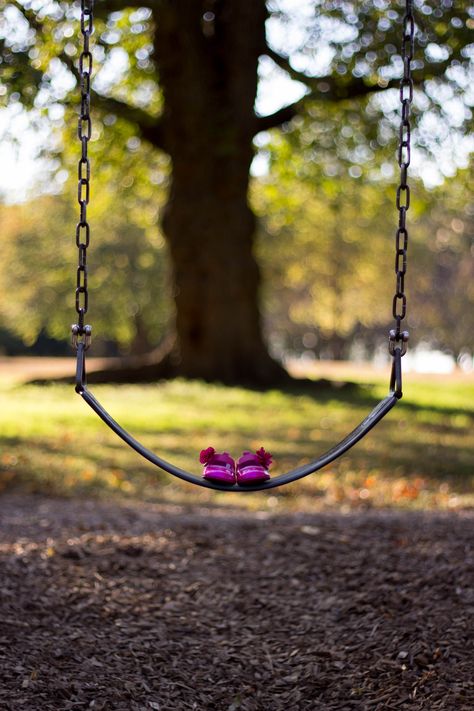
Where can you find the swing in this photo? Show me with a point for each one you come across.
(398, 339)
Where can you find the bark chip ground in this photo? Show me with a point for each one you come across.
(136, 607)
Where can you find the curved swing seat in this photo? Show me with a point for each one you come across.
(379, 412)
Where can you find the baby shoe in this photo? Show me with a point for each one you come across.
(253, 468)
(217, 467)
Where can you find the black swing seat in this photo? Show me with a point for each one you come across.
(379, 412)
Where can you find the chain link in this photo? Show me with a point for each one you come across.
(84, 132)
(399, 306)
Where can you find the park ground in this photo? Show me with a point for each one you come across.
(121, 589)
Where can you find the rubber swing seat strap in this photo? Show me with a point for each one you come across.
(378, 413)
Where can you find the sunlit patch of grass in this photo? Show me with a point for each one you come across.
(421, 455)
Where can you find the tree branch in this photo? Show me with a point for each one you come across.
(150, 127)
(280, 117)
(329, 88)
(320, 88)
(326, 88)
(284, 63)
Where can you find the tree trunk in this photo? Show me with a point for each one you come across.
(207, 55)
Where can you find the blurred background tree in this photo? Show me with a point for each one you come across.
(443, 270)
(175, 134)
(326, 226)
(130, 285)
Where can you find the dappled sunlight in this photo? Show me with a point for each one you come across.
(420, 456)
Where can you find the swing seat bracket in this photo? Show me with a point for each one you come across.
(81, 334)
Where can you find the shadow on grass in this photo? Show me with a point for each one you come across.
(320, 391)
(362, 394)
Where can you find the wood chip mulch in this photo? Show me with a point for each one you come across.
(141, 607)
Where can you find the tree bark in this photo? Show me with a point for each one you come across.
(206, 55)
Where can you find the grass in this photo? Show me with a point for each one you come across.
(421, 455)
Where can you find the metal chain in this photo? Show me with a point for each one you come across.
(399, 308)
(84, 132)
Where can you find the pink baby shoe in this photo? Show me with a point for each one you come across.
(217, 467)
(253, 468)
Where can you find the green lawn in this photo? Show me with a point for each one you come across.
(421, 455)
